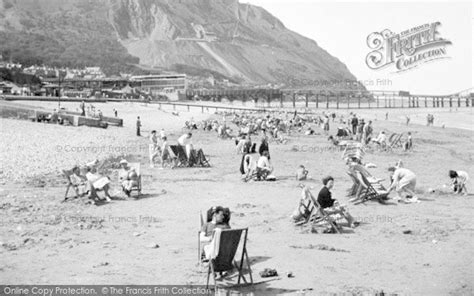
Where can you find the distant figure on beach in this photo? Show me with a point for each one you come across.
(354, 123)
(386, 116)
(153, 148)
(367, 133)
(139, 125)
(83, 108)
(459, 180)
(301, 173)
(162, 134)
(409, 143)
(115, 112)
(99, 114)
(407, 119)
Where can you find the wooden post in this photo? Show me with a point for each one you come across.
(417, 102)
(327, 102)
(377, 99)
(358, 100)
(317, 101)
(306, 99)
(426, 102)
(281, 100)
(348, 99)
(337, 102)
(202, 109)
(459, 101)
(294, 100)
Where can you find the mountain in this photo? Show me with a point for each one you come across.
(241, 42)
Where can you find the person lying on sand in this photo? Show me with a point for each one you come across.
(404, 182)
(330, 205)
(128, 176)
(458, 181)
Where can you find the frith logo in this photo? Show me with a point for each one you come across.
(407, 49)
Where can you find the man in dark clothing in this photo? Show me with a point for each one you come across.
(83, 109)
(354, 123)
(331, 205)
(139, 125)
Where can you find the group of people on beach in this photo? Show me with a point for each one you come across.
(90, 181)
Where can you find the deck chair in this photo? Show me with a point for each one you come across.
(307, 213)
(76, 187)
(357, 189)
(180, 153)
(373, 190)
(354, 151)
(230, 239)
(138, 187)
(136, 167)
(395, 140)
(372, 187)
(320, 212)
(208, 218)
(198, 159)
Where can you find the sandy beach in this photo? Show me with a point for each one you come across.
(400, 249)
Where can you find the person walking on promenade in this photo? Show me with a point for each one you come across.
(139, 125)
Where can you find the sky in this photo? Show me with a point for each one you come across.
(342, 28)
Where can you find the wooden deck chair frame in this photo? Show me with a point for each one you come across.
(319, 210)
(225, 261)
(371, 190)
(308, 208)
(357, 188)
(68, 174)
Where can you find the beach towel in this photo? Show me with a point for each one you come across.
(212, 250)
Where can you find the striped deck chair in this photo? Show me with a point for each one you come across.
(357, 190)
(395, 140)
(372, 188)
(354, 151)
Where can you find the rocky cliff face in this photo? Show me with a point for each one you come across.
(241, 41)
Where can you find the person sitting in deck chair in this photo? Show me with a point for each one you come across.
(128, 176)
(185, 143)
(381, 139)
(97, 182)
(459, 180)
(330, 205)
(404, 182)
(218, 221)
(167, 154)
